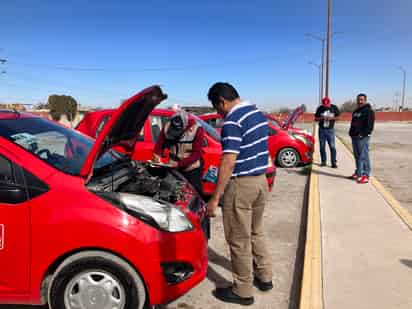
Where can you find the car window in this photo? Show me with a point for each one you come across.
(209, 129)
(60, 147)
(6, 171)
(35, 186)
(13, 177)
(157, 123)
(272, 131)
(215, 122)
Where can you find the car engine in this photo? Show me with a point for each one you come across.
(143, 179)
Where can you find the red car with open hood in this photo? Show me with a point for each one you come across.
(288, 146)
(93, 123)
(84, 226)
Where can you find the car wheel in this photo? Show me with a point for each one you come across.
(96, 280)
(288, 157)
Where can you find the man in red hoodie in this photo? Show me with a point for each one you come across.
(326, 115)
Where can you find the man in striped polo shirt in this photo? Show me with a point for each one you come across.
(242, 183)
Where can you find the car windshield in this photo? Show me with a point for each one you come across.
(216, 122)
(209, 129)
(60, 147)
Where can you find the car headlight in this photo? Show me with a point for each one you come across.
(301, 138)
(166, 216)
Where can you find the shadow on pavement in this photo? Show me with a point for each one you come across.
(212, 274)
(331, 175)
(406, 262)
(220, 260)
(294, 296)
(217, 278)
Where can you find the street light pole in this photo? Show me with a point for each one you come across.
(322, 61)
(403, 88)
(328, 48)
(319, 67)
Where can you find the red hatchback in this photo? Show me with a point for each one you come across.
(288, 146)
(83, 226)
(93, 123)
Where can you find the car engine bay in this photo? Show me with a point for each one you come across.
(142, 179)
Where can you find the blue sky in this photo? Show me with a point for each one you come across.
(101, 52)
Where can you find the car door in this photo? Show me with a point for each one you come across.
(14, 229)
(211, 154)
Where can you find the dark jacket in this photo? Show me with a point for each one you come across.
(363, 120)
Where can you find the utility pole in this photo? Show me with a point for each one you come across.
(322, 63)
(403, 88)
(328, 48)
(396, 101)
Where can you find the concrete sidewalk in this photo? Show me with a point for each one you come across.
(366, 247)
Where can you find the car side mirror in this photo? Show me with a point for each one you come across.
(12, 194)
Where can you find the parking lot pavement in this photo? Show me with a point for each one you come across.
(283, 226)
(282, 223)
(391, 160)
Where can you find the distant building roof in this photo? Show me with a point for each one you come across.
(16, 106)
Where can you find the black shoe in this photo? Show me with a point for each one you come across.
(334, 165)
(323, 164)
(227, 295)
(263, 286)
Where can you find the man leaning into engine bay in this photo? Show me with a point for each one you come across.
(183, 138)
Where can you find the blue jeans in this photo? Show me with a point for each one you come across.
(361, 152)
(329, 136)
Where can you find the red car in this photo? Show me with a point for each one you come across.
(93, 123)
(290, 121)
(83, 226)
(288, 146)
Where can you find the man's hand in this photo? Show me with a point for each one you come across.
(212, 206)
(227, 164)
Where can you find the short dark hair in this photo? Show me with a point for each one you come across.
(362, 95)
(222, 90)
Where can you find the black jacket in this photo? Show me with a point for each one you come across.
(363, 120)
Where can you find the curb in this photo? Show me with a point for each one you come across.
(403, 213)
(311, 296)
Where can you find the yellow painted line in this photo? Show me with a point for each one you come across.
(403, 213)
(311, 296)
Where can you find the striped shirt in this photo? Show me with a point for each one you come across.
(245, 132)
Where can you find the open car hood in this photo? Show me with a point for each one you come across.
(124, 125)
(293, 116)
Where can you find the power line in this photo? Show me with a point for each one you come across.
(192, 67)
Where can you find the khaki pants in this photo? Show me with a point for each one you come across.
(243, 205)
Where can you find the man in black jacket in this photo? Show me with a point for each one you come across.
(363, 120)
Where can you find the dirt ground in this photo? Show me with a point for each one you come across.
(391, 159)
(283, 217)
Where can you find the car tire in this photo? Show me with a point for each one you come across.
(288, 158)
(96, 279)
